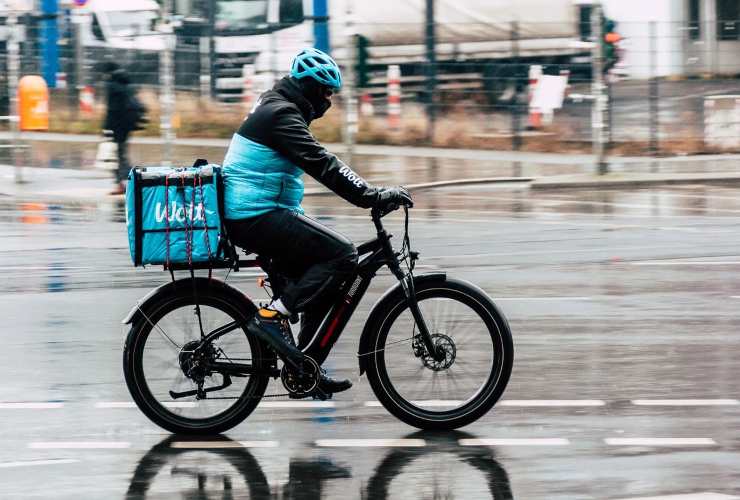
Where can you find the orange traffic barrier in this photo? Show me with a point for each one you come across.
(33, 101)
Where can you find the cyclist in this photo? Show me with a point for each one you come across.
(263, 190)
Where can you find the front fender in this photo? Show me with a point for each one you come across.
(202, 286)
(393, 294)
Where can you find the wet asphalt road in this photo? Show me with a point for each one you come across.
(623, 306)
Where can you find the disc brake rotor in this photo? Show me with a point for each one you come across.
(445, 345)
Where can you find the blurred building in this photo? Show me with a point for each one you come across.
(691, 37)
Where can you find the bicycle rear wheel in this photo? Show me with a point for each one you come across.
(163, 353)
(455, 391)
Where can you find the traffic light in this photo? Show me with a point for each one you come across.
(609, 43)
(362, 69)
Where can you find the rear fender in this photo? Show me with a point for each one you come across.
(393, 295)
(202, 286)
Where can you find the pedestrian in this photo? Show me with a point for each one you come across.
(124, 114)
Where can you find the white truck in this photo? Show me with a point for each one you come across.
(120, 31)
(268, 33)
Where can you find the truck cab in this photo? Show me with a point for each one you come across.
(130, 24)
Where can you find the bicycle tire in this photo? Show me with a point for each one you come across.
(490, 391)
(255, 388)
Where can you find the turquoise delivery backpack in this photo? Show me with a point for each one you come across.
(173, 216)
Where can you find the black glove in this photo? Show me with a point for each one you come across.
(391, 198)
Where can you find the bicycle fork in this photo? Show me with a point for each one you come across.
(407, 284)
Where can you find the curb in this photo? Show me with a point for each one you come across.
(432, 185)
(633, 182)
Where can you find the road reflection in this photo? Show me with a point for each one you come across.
(442, 469)
(226, 470)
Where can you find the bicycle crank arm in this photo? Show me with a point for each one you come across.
(226, 383)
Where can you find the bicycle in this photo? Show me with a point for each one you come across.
(426, 334)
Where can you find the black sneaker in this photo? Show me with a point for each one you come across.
(273, 328)
(332, 385)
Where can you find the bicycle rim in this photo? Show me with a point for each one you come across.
(447, 389)
(165, 348)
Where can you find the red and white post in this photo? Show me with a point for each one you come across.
(248, 73)
(394, 97)
(535, 114)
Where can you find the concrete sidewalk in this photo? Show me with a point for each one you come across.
(66, 185)
(405, 151)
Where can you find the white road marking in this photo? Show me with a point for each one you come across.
(179, 404)
(685, 402)
(552, 402)
(433, 403)
(373, 404)
(297, 404)
(79, 445)
(540, 298)
(116, 404)
(223, 444)
(660, 441)
(686, 263)
(514, 442)
(370, 443)
(706, 495)
(33, 463)
(31, 406)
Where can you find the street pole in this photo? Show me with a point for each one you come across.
(350, 100)
(79, 18)
(598, 91)
(653, 91)
(516, 126)
(167, 96)
(431, 57)
(13, 77)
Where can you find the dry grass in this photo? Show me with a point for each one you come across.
(456, 127)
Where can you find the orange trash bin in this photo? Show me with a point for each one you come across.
(33, 103)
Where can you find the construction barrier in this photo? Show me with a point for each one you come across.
(33, 101)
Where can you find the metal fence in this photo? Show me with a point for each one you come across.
(674, 89)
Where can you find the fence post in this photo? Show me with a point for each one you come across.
(516, 126)
(654, 96)
(431, 59)
(350, 100)
(204, 78)
(394, 96)
(80, 18)
(13, 76)
(167, 94)
(598, 110)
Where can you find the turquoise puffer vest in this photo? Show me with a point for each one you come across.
(258, 179)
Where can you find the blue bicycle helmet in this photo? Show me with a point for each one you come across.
(319, 66)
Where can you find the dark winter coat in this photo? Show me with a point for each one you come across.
(125, 112)
(272, 149)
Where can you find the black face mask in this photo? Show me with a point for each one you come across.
(315, 93)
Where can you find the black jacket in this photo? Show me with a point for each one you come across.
(280, 121)
(124, 111)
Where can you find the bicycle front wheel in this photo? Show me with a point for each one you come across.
(164, 355)
(457, 390)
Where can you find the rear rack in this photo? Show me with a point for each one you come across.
(219, 264)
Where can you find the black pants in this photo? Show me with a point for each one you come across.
(316, 258)
(123, 164)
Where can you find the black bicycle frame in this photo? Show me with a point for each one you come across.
(374, 254)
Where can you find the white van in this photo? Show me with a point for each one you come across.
(115, 24)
